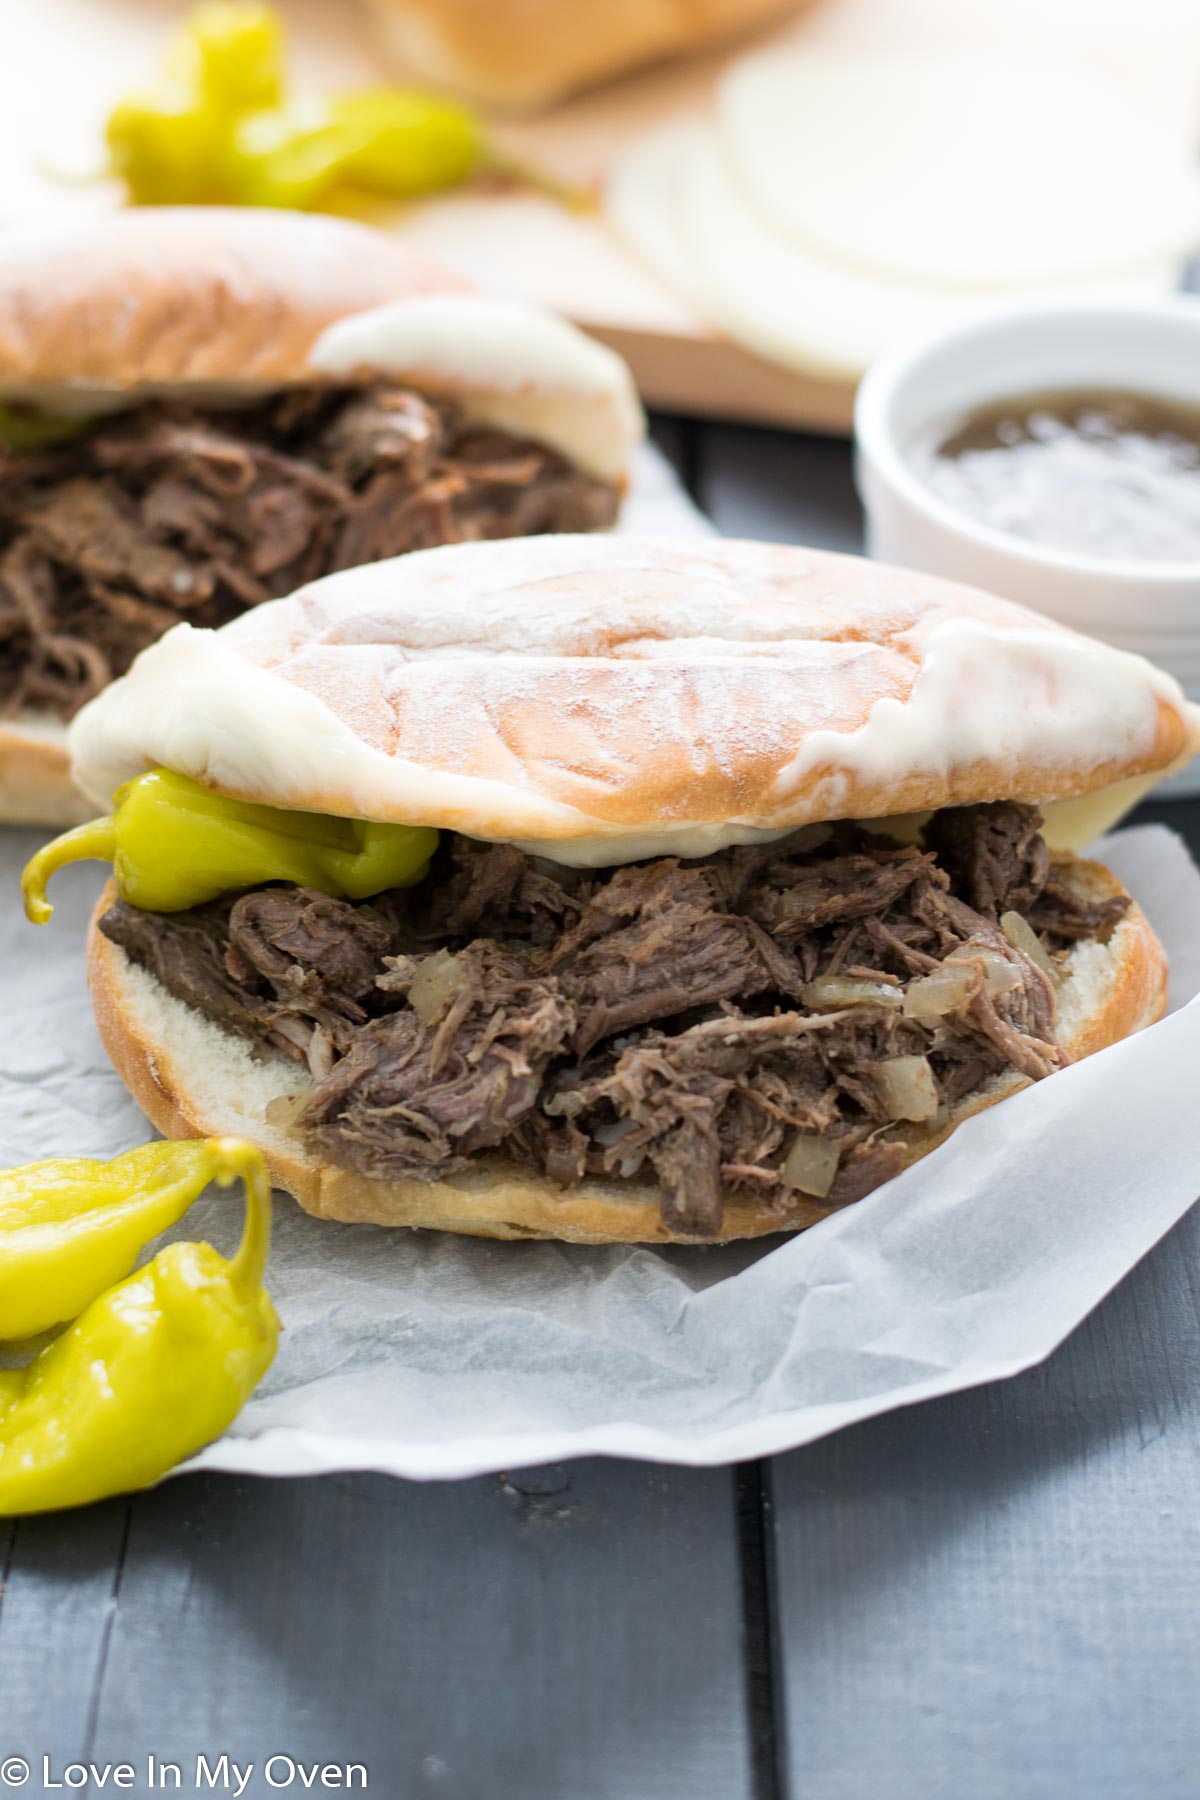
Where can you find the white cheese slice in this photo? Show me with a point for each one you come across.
(959, 169)
(643, 202)
(677, 206)
(1071, 825)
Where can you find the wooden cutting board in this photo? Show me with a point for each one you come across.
(67, 60)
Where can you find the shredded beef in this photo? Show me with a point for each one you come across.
(672, 1095)
(793, 898)
(417, 1097)
(652, 942)
(319, 957)
(169, 512)
(997, 859)
(994, 854)
(289, 968)
(494, 890)
(1064, 916)
(652, 1022)
(186, 952)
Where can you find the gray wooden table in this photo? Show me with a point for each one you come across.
(995, 1595)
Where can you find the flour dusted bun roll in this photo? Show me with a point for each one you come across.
(756, 875)
(525, 53)
(202, 408)
(604, 699)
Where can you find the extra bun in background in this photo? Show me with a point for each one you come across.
(174, 295)
(599, 701)
(527, 53)
(220, 306)
(223, 303)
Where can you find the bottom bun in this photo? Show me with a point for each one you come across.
(192, 1078)
(35, 774)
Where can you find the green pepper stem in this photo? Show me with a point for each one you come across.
(97, 839)
(234, 1157)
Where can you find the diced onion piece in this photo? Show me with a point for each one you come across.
(1000, 974)
(438, 979)
(907, 1087)
(282, 1112)
(811, 1166)
(845, 990)
(943, 990)
(1022, 936)
(948, 988)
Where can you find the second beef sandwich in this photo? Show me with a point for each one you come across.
(202, 409)
(742, 898)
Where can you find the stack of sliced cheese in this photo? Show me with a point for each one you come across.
(833, 201)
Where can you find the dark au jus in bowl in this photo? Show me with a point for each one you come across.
(1111, 474)
(1050, 453)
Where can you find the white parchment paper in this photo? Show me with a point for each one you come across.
(434, 1356)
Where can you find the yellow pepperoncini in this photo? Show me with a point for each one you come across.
(70, 1228)
(387, 141)
(168, 144)
(175, 844)
(231, 53)
(153, 1370)
(218, 128)
(29, 428)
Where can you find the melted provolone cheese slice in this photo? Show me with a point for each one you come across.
(519, 367)
(1067, 824)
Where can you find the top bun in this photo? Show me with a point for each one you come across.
(121, 306)
(150, 295)
(601, 699)
(522, 53)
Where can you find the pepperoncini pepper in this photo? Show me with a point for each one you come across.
(230, 53)
(29, 428)
(388, 141)
(218, 128)
(174, 844)
(70, 1228)
(168, 143)
(154, 1369)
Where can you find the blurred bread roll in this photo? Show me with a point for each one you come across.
(525, 53)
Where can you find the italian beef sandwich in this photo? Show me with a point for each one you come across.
(202, 409)
(613, 890)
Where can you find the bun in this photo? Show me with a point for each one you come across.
(220, 301)
(609, 698)
(524, 53)
(192, 1078)
(35, 774)
(158, 295)
(214, 302)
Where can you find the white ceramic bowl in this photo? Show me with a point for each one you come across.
(1151, 347)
